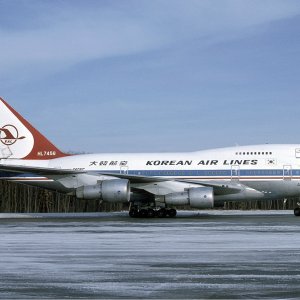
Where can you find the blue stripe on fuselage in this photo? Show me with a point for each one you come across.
(185, 173)
(209, 173)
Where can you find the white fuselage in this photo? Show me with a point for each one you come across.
(271, 169)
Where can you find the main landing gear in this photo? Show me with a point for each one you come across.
(152, 213)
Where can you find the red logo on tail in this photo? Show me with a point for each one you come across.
(9, 134)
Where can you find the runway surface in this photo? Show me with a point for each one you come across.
(206, 254)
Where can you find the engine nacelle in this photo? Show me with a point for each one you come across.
(202, 197)
(115, 190)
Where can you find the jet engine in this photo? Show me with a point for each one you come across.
(202, 197)
(115, 190)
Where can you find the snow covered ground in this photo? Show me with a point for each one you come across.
(200, 254)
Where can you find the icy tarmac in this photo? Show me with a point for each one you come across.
(205, 254)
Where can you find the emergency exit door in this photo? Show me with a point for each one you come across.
(235, 172)
(287, 172)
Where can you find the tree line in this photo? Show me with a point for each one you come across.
(19, 198)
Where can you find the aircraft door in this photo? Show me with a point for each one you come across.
(235, 172)
(287, 172)
(124, 170)
(297, 153)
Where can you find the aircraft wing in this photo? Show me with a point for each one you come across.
(38, 170)
(220, 187)
(49, 172)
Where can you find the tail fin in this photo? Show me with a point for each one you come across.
(19, 139)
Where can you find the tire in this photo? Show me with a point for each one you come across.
(162, 213)
(151, 213)
(297, 211)
(143, 213)
(172, 213)
(133, 213)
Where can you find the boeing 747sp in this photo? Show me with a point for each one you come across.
(154, 184)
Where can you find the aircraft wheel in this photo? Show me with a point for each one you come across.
(297, 211)
(133, 213)
(162, 213)
(172, 212)
(143, 213)
(151, 213)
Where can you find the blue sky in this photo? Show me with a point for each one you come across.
(159, 75)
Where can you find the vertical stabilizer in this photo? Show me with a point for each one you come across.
(19, 139)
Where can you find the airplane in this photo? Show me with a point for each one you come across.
(154, 184)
